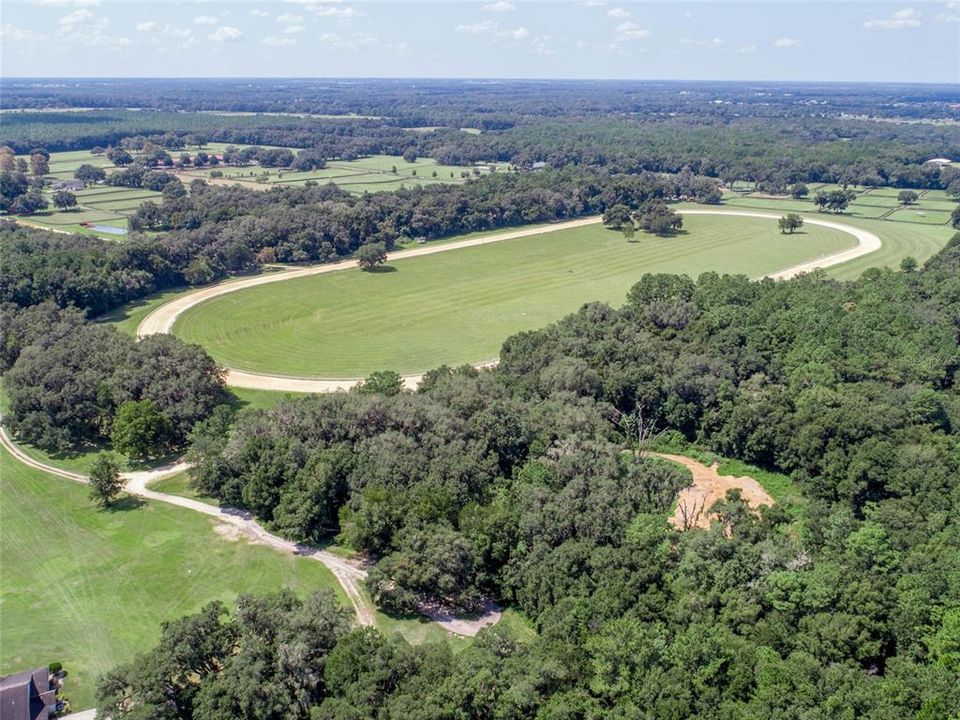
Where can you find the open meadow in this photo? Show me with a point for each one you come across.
(458, 307)
(89, 588)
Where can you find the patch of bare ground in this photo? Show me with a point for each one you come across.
(708, 487)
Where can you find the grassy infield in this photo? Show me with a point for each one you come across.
(63, 597)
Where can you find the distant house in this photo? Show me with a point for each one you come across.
(539, 165)
(27, 695)
(938, 161)
(68, 185)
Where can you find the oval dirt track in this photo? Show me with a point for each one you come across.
(163, 318)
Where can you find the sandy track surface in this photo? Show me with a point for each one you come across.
(708, 486)
(163, 318)
(867, 242)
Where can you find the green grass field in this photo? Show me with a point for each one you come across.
(458, 307)
(90, 588)
(903, 235)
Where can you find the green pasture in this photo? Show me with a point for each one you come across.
(89, 588)
(369, 174)
(915, 214)
(459, 306)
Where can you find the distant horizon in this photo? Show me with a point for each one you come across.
(451, 78)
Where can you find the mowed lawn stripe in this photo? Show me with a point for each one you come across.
(458, 307)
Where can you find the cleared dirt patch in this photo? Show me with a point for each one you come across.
(708, 486)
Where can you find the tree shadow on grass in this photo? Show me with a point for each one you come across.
(382, 269)
(125, 504)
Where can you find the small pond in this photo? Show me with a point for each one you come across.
(110, 229)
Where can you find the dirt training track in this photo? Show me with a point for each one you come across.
(163, 318)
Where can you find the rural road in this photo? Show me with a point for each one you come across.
(349, 574)
(163, 318)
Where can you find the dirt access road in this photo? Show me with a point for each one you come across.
(163, 318)
(236, 523)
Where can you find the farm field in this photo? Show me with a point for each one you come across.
(90, 588)
(370, 174)
(458, 307)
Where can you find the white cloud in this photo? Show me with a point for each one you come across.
(205, 20)
(80, 17)
(327, 9)
(618, 13)
(274, 41)
(906, 18)
(352, 41)
(786, 42)
(12, 32)
(289, 19)
(500, 6)
(82, 27)
(169, 30)
(175, 31)
(259, 13)
(225, 33)
(746, 49)
(715, 42)
(294, 29)
(631, 31)
(65, 3)
(400, 48)
(521, 33)
(951, 13)
(541, 46)
(487, 26)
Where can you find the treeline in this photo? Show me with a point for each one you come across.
(67, 381)
(515, 483)
(227, 228)
(83, 271)
(73, 384)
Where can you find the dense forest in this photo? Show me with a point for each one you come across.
(515, 484)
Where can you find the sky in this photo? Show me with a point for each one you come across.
(772, 41)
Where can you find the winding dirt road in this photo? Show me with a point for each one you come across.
(350, 574)
(163, 318)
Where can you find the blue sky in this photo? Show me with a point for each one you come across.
(814, 40)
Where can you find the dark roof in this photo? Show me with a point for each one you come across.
(27, 695)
